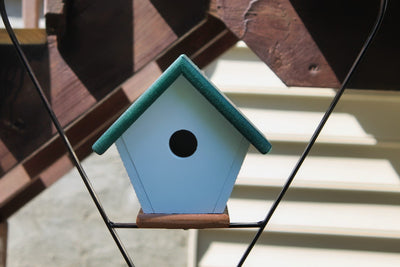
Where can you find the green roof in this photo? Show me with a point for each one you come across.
(183, 65)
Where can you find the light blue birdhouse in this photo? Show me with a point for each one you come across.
(182, 143)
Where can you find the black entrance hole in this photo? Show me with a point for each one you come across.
(183, 143)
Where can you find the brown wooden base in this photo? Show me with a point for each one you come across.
(182, 221)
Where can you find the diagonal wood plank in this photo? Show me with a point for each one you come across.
(88, 96)
(274, 31)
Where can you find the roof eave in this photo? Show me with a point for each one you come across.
(192, 73)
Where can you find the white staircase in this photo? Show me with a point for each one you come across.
(343, 208)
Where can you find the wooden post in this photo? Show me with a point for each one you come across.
(3, 243)
(30, 13)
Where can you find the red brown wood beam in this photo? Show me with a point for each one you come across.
(31, 13)
(51, 162)
(104, 51)
(214, 48)
(274, 31)
(314, 42)
(3, 243)
(55, 16)
(202, 45)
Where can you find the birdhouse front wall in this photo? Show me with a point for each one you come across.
(201, 179)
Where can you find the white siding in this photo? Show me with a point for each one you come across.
(343, 208)
(14, 12)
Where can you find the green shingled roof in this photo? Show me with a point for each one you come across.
(183, 65)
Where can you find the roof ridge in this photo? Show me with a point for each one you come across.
(183, 66)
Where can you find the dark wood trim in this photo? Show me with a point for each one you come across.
(3, 243)
(50, 162)
(182, 221)
(55, 15)
(212, 36)
(274, 31)
(314, 43)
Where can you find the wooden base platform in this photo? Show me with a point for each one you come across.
(182, 221)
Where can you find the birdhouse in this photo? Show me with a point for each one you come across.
(182, 143)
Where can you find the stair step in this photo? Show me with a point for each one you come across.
(217, 248)
(363, 171)
(310, 185)
(373, 212)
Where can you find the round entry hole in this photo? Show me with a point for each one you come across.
(183, 143)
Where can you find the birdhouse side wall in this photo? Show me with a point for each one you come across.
(231, 178)
(174, 184)
(133, 176)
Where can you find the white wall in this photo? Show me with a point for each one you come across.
(61, 226)
(14, 12)
(343, 208)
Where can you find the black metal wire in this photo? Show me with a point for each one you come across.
(378, 22)
(231, 225)
(245, 225)
(61, 132)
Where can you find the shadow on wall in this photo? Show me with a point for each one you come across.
(343, 26)
(370, 121)
(24, 121)
(98, 43)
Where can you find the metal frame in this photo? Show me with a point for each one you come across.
(112, 226)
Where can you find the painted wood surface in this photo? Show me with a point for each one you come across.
(313, 43)
(196, 184)
(3, 243)
(273, 30)
(182, 221)
(343, 205)
(25, 36)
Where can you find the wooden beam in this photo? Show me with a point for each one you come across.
(25, 124)
(31, 13)
(274, 31)
(7, 160)
(12, 182)
(50, 162)
(24, 36)
(314, 43)
(212, 35)
(55, 15)
(182, 221)
(95, 55)
(138, 83)
(3, 243)
(214, 48)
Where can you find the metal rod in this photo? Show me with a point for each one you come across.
(231, 225)
(378, 22)
(123, 225)
(61, 132)
(246, 225)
